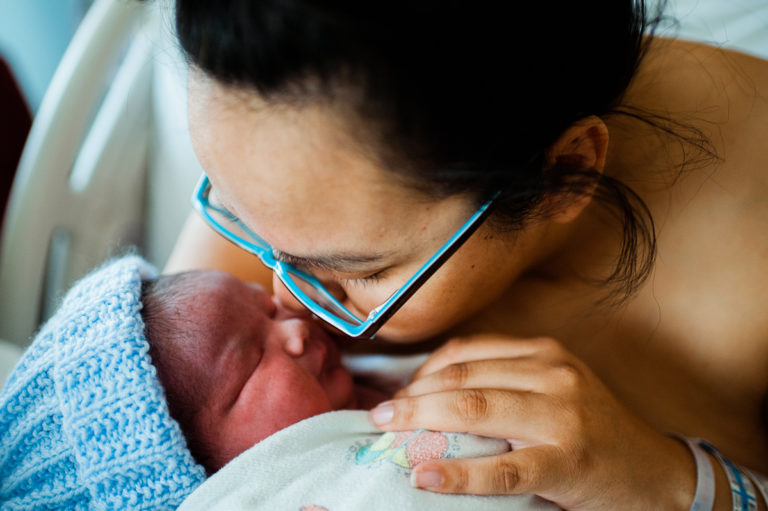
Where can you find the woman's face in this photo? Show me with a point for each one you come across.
(304, 183)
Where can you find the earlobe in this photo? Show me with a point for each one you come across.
(581, 147)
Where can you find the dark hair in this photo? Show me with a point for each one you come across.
(460, 97)
(166, 328)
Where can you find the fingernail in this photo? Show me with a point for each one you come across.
(426, 479)
(383, 413)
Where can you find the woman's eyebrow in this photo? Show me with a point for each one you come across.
(341, 262)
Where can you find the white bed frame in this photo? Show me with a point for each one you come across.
(107, 165)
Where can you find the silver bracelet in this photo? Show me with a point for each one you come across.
(761, 482)
(704, 499)
(742, 491)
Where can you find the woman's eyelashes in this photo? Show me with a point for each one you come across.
(373, 278)
(329, 278)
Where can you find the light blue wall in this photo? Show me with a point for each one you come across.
(33, 37)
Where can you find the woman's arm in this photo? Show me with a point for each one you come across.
(200, 247)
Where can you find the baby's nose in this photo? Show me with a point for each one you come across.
(295, 333)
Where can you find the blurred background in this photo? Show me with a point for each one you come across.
(33, 37)
(93, 139)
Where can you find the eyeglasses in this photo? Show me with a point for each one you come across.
(308, 290)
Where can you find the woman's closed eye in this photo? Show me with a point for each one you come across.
(329, 276)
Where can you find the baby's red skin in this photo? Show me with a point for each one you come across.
(258, 366)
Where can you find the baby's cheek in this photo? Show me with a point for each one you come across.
(277, 403)
(297, 398)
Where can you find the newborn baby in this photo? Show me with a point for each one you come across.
(236, 366)
(248, 379)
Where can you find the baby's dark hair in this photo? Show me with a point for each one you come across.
(167, 327)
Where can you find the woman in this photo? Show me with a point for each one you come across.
(616, 292)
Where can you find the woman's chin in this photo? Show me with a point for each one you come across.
(405, 333)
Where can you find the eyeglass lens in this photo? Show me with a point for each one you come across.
(307, 284)
(322, 298)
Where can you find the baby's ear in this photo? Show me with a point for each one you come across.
(583, 146)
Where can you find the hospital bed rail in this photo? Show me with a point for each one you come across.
(107, 165)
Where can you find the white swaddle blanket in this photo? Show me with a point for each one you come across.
(339, 461)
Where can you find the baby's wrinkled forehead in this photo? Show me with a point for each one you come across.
(205, 294)
(188, 316)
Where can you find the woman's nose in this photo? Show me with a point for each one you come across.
(284, 296)
(294, 334)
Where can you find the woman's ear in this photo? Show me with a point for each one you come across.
(583, 146)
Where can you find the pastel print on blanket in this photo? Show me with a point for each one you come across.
(405, 448)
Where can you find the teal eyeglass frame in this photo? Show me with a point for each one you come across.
(350, 325)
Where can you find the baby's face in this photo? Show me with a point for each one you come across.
(258, 367)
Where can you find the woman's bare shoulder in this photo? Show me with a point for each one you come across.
(713, 95)
(693, 78)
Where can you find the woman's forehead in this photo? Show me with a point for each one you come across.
(295, 177)
(318, 216)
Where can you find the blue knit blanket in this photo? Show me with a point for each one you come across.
(83, 420)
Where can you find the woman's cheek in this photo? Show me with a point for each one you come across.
(429, 311)
(437, 305)
(419, 319)
(361, 299)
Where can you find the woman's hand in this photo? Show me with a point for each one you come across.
(572, 442)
